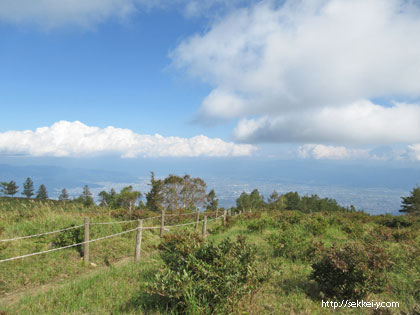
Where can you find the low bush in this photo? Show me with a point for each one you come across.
(354, 229)
(261, 225)
(395, 221)
(294, 244)
(318, 225)
(352, 271)
(202, 277)
(69, 237)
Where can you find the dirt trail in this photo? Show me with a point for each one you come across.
(13, 297)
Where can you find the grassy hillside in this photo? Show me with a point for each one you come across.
(288, 245)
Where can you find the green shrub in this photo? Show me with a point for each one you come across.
(395, 221)
(318, 225)
(294, 244)
(352, 271)
(69, 237)
(385, 233)
(261, 224)
(201, 277)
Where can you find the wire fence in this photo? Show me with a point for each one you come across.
(68, 246)
(100, 238)
(97, 223)
(41, 234)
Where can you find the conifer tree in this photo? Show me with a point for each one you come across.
(64, 196)
(411, 204)
(42, 193)
(86, 196)
(12, 188)
(28, 188)
(155, 196)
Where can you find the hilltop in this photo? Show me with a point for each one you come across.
(283, 246)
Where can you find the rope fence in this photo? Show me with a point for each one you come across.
(36, 235)
(68, 246)
(139, 230)
(96, 223)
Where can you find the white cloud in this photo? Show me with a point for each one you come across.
(413, 151)
(66, 138)
(320, 151)
(359, 123)
(313, 61)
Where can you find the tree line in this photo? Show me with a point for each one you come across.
(189, 193)
(11, 189)
(171, 193)
(313, 203)
(288, 201)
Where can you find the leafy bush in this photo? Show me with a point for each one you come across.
(69, 237)
(395, 221)
(351, 272)
(388, 234)
(318, 225)
(261, 224)
(294, 244)
(354, 229)
(203, 277)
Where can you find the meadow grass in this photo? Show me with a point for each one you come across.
(113, 288)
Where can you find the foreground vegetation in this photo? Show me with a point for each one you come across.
(265, 262)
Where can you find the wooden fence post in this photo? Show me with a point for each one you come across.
(224, 217)
(162, 223)
(86, 244)
(204, 234)
(197, 219)
(138, 240)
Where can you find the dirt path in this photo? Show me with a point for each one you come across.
(13, 297)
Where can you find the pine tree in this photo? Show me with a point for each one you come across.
(42, 193)
(411, 204)
(86, 196)
(64, 196)
(11, 188)
(28, 188)
(155, 196)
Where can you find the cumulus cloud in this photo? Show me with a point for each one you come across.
(306, 70)
(320, 151)
(66, 138)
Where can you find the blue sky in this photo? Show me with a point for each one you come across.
(116, 74)
(323, 80)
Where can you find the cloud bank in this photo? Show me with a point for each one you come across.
(320, 151)
(307, 71)
(74, 139)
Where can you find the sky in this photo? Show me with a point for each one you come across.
(330, 80)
